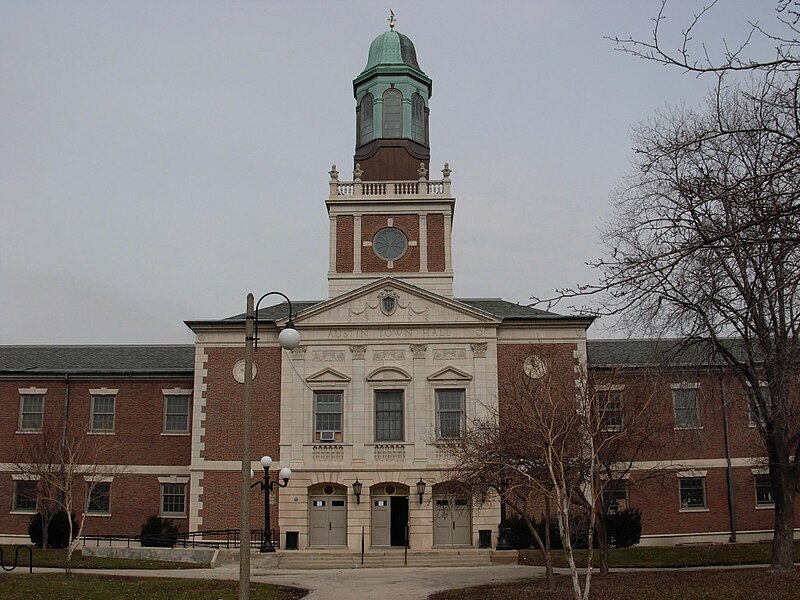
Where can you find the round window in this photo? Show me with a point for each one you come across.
(390, 243)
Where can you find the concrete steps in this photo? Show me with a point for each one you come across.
(342, 559)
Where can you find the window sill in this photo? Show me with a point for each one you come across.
(22, 512)
(102, 515)
(101, 433)
(172, 516)
(765, 507)
(176, 433)
(29, 432)
(687, 428)
(693, 510)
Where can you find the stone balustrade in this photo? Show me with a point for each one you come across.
(421, 188)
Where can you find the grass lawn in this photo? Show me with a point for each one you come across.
(732, 584)
(699, 555)
(55, 558)
(96, 587)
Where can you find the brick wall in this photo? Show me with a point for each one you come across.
(137, 443)
(223, 424)
(435, 224)
(344, 244)
(370, 225)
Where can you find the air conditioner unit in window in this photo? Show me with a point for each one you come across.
(327, 436)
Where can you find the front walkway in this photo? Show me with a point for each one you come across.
(406, 583)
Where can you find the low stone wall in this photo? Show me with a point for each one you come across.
(184, 555)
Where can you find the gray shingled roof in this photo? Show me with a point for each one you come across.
(509, 310)
(651, 352)
(97, 359)
(277, 311)
(493, 306)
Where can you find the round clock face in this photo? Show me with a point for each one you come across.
(534, 367)
(238, 371)
(390, 243)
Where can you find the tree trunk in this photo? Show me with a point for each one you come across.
(45, 518)
(551, 584)
(602, 538)
(544, 548)
(783, 489)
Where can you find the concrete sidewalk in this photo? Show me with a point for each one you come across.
(406, 583)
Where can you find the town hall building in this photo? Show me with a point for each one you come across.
(390, 366)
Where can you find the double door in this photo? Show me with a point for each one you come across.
(328, 521)
(389, 520)
(451, 521)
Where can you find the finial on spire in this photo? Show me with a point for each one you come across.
(391, 19)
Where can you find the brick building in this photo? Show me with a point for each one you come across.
(388, 365)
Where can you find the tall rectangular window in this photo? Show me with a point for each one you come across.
(99, 500)
(758, 413)
(609, 405)
(450, 417)
(687, 409)
(392, 114)
(25, 495)
(176, 414)
(31, 412)
(764, 491)
(173, 499)
(103, 412)
(389, 415)
(327, 416)
(615, 495)
(693, 492)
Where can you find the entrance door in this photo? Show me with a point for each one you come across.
(389, 520)
(328, 521)
(399, 520)
(451, 521)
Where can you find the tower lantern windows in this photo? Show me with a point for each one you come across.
(392, 113)
(366, 126)
(418, 119)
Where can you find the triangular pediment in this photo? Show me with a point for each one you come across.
(394, 303)
(388, 375)
(449, 374)
(328, 375)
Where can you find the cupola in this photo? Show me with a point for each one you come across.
(392, 94)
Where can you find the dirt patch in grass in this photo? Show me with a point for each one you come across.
(728, 584)
(55, 558)
(96, 587)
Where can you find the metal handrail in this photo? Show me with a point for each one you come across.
(228, 538)
(16, 558)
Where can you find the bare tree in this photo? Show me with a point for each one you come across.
(704, 241)
(548, 443)
(487, 460)
(732, 56)
(68, 467)
(624, 428)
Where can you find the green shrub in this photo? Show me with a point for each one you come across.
(57, 531)
(158, 532)
(519, 536)
(624, 528)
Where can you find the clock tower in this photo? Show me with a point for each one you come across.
(391, 219)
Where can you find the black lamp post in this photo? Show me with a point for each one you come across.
(288, 339)
(267, 486)
(357, 485)
(503, 530)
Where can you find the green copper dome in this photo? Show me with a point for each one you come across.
(392, 48)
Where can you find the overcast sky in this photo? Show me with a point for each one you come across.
(158, 160)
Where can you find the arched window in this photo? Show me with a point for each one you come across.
(366, 123)
(418, 119)
(392, 113)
